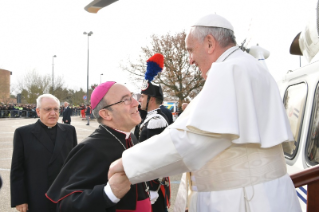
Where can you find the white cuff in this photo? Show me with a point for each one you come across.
(163, 162)
(153, 196)
(109, 193)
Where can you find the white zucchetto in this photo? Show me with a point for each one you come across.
(213, 20)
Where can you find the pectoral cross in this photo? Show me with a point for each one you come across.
(147, 188)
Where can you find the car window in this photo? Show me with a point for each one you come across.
(294, 102)
(312, 145)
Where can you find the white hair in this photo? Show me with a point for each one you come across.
(39, 99)
(224, 37)
(99, 107)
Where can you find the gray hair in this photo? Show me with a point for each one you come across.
(223, 36)
(39, 99)
(99, 107)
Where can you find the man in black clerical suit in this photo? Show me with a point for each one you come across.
(67, 114)
(82, 184)
(39, 151)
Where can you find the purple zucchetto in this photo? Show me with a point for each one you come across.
(99, 92)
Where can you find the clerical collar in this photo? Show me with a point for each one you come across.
(227, 53)
(45, 126)
(152, 112)
(127, 134)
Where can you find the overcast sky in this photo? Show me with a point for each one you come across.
(32, 31)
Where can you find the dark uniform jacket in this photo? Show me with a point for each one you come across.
(80, 184)
(167, 113)
(88, 111)
(36, 161)
(155, 123)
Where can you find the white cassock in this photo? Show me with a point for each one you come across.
(229, 138)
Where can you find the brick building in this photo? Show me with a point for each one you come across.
(4, 85)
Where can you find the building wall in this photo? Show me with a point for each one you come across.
(4, 84)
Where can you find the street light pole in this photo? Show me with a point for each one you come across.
(53, 73)
(101, 78)
(87, 86)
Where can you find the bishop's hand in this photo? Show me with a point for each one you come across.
(116, 167)
(119, 184)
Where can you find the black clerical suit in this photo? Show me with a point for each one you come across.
(38, 155)
(155, 123)
(67, 115)
(80, 185)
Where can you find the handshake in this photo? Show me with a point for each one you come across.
(118, 180)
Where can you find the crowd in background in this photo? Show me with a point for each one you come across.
(17, 110)
(29, 110)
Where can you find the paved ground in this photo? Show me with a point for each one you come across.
(7, 127)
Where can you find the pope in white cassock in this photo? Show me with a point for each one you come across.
(229, 137)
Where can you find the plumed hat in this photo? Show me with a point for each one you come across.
(155, 65)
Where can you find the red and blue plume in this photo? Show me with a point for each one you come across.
(155, 65)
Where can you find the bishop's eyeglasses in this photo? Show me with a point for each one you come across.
(126, 100)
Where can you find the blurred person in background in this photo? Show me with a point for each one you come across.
(67, 114)
(88, 113)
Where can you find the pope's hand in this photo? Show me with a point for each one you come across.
(116, 167)
(119, 184)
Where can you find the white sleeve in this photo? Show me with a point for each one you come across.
(169, 153)
(109, 193)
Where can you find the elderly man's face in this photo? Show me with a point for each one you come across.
(48, 112)
(65, 104)
(124, 117)
(198, 54)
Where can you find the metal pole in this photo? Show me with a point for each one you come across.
(101, 78)
(87, 86)
(53, 73)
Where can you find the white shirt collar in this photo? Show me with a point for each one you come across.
(152, 112)
(127, 134)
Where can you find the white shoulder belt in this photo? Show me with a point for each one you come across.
(164, 124)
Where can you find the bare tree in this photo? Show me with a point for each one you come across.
(33, 85)
(179, 80)
(60, 91)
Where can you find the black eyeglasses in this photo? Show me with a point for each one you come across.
(126, 100)
(48, 110)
